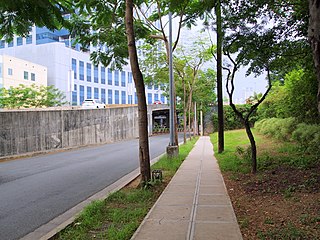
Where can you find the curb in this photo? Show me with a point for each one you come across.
(52, 228)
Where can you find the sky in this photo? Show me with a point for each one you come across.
(245, 86)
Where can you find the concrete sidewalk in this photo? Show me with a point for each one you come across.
(195, 204)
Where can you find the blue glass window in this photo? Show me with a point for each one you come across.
(135, 98)
(129, 77)
(96, 93)
(74, 67)
(162, 98)
(123, 79)
(109, 96)
(95, 77)
(88, 72)
(33, 76)
(19, 41)
(123, 97)
(89, 93)
(116, 97)
(103, 75)
(149, 98)
(156, 87)
(129, 99)
(29, 39)
(81, 94)
(25, 75)
(109, 76)
(103, 95)
(149, 86)
(74, 96)
(116, 78)
(81, 70)
(2, 43)
(156, 97)
(10, 44)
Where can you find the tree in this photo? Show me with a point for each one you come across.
(31, 96)
(314, 38)
(18, 16)
(142, 105)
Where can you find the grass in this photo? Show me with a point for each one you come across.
(120, 214)
(271, 153)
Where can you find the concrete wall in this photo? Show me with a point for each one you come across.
(32, 131)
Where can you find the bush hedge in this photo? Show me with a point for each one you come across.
(288, 129)
(231, 120)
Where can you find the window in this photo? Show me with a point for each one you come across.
(135, 98)
(109, 96)
(95, 76)
(2, 43)
(149, 98)
(109, 76)
(123, 97)
(10, 44)
(123, 79)
(25, 75)
(129, 77)
(33, 76)
(19, 41)
(116, 78)
(162, 98)
(103, 95)
(129, 99)
(103, 75)
(81, 94)
(156, 87)
(10, 71)
(149, 86)
(74, 96)
(88, 72)
(74, 67)
(96, 93)
(29, 39)
(116, 97)
(89, 94)
(156, 97)
(81, 70)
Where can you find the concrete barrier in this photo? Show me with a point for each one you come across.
(41, 130)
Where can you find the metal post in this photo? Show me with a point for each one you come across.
(172, 149)
(171, 84)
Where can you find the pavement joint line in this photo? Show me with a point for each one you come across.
(191, 227)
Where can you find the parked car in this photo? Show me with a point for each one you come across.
(157, 102)
(92, 103)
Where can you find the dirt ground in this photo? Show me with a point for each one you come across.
(280, 204)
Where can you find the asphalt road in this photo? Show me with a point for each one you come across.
(35, 190)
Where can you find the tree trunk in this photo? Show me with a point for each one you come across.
(253, 147)
(314, 38)
(219, 77)
(184, 113)
(142, 104)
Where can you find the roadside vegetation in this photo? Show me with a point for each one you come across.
(120, 214)
(282, 201)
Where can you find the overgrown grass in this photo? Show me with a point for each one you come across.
(118, 216)
(271, 153)
(235, 157)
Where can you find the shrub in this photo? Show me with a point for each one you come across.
(287, 129)
(231, 120)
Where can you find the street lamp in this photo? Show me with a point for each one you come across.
(172, 149)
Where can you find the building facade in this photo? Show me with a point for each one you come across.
(70, 69)
(15, 71)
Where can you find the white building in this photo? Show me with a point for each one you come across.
(15, 71)
(71, 70)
